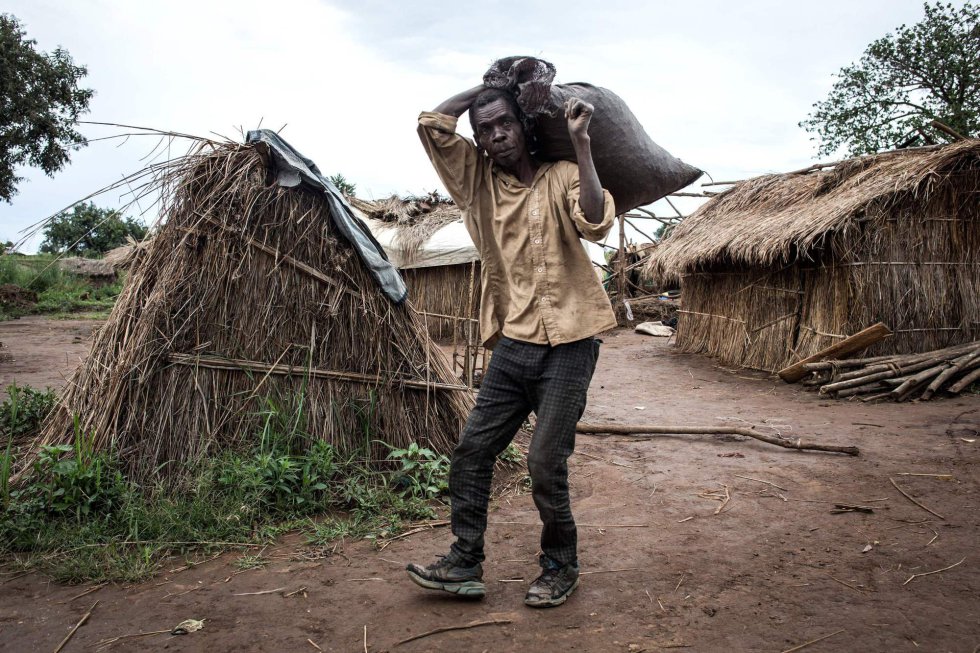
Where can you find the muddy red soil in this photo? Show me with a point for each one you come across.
(664, 570)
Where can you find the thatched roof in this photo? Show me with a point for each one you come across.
(122, 257)
(412, 224)
(780, 218)
(416, 218)
(250, 301)
(87, 267)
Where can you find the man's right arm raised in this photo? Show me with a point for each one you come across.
(455, 158)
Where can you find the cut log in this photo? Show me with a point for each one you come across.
(862, 390)
(851, 345)
(644, 430)
(871, 374)
(965, 382)
(961, 363)
(903, 391)
(901, 359)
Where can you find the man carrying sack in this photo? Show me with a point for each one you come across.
(542, 305)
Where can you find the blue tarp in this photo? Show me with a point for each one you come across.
(293, 169)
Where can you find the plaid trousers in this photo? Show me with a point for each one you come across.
(523, 377)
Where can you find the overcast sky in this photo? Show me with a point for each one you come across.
(722, 85)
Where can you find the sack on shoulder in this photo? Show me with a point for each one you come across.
(630, 165)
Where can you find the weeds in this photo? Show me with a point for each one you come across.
(78, 518)
(251, 562)
(423, 472)
(22, 412)
(57, 292)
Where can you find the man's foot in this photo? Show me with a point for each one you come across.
(450, 575)
(553, 586)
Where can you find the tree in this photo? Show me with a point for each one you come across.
(344, 186)
(40, 102)
(903, 82)
(88, 230)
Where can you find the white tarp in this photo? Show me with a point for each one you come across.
(450, 245)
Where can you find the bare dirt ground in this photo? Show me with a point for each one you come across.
(774, 570)
(41, 352)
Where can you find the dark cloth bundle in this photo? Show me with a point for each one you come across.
(634, 169)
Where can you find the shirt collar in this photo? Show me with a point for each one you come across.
(511, 180)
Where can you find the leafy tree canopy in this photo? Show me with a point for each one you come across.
(903, 82)
(40, 102)
(87, 230)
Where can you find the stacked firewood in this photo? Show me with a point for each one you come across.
(898, 377)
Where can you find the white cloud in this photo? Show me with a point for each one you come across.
(722, 87)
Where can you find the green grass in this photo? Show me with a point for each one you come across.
(78, 518)
(59, 293)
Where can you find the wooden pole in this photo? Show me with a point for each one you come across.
(621, 264)
(946, 129)
(853, 344)
(644, 430)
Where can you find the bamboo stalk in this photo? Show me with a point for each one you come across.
(214, 362)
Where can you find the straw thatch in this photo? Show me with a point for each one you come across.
(448, 295)
(416, 218)
(247, 297)
(93, 268)
(444, 293)
(123, 257)
(781, 266)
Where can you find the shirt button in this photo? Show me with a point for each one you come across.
(534, 212)
(540, 269)
(537, 241)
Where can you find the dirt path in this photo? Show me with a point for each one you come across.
(775, 569)
(41, 352)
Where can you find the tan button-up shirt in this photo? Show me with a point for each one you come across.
(538, 281)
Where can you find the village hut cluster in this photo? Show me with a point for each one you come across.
(779, 267)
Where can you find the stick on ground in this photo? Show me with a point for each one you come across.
(278, 589)
(71, 633)
(759, 480)
(813, 641)
(929, 573)
(909, 497)
(446, 629)
(646, 430)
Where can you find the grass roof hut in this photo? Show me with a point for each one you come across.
(425, 238)
(781, 266)
(250, 300)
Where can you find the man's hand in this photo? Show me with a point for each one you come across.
(579, 114)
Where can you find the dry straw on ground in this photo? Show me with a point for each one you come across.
(245, 297)
(781, 266)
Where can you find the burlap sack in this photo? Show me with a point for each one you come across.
(634, 169)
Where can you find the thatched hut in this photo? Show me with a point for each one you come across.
(98, 271)
(781, 266)
(425, 238)
(256, 297)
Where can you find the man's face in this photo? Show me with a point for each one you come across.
(499, 132)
